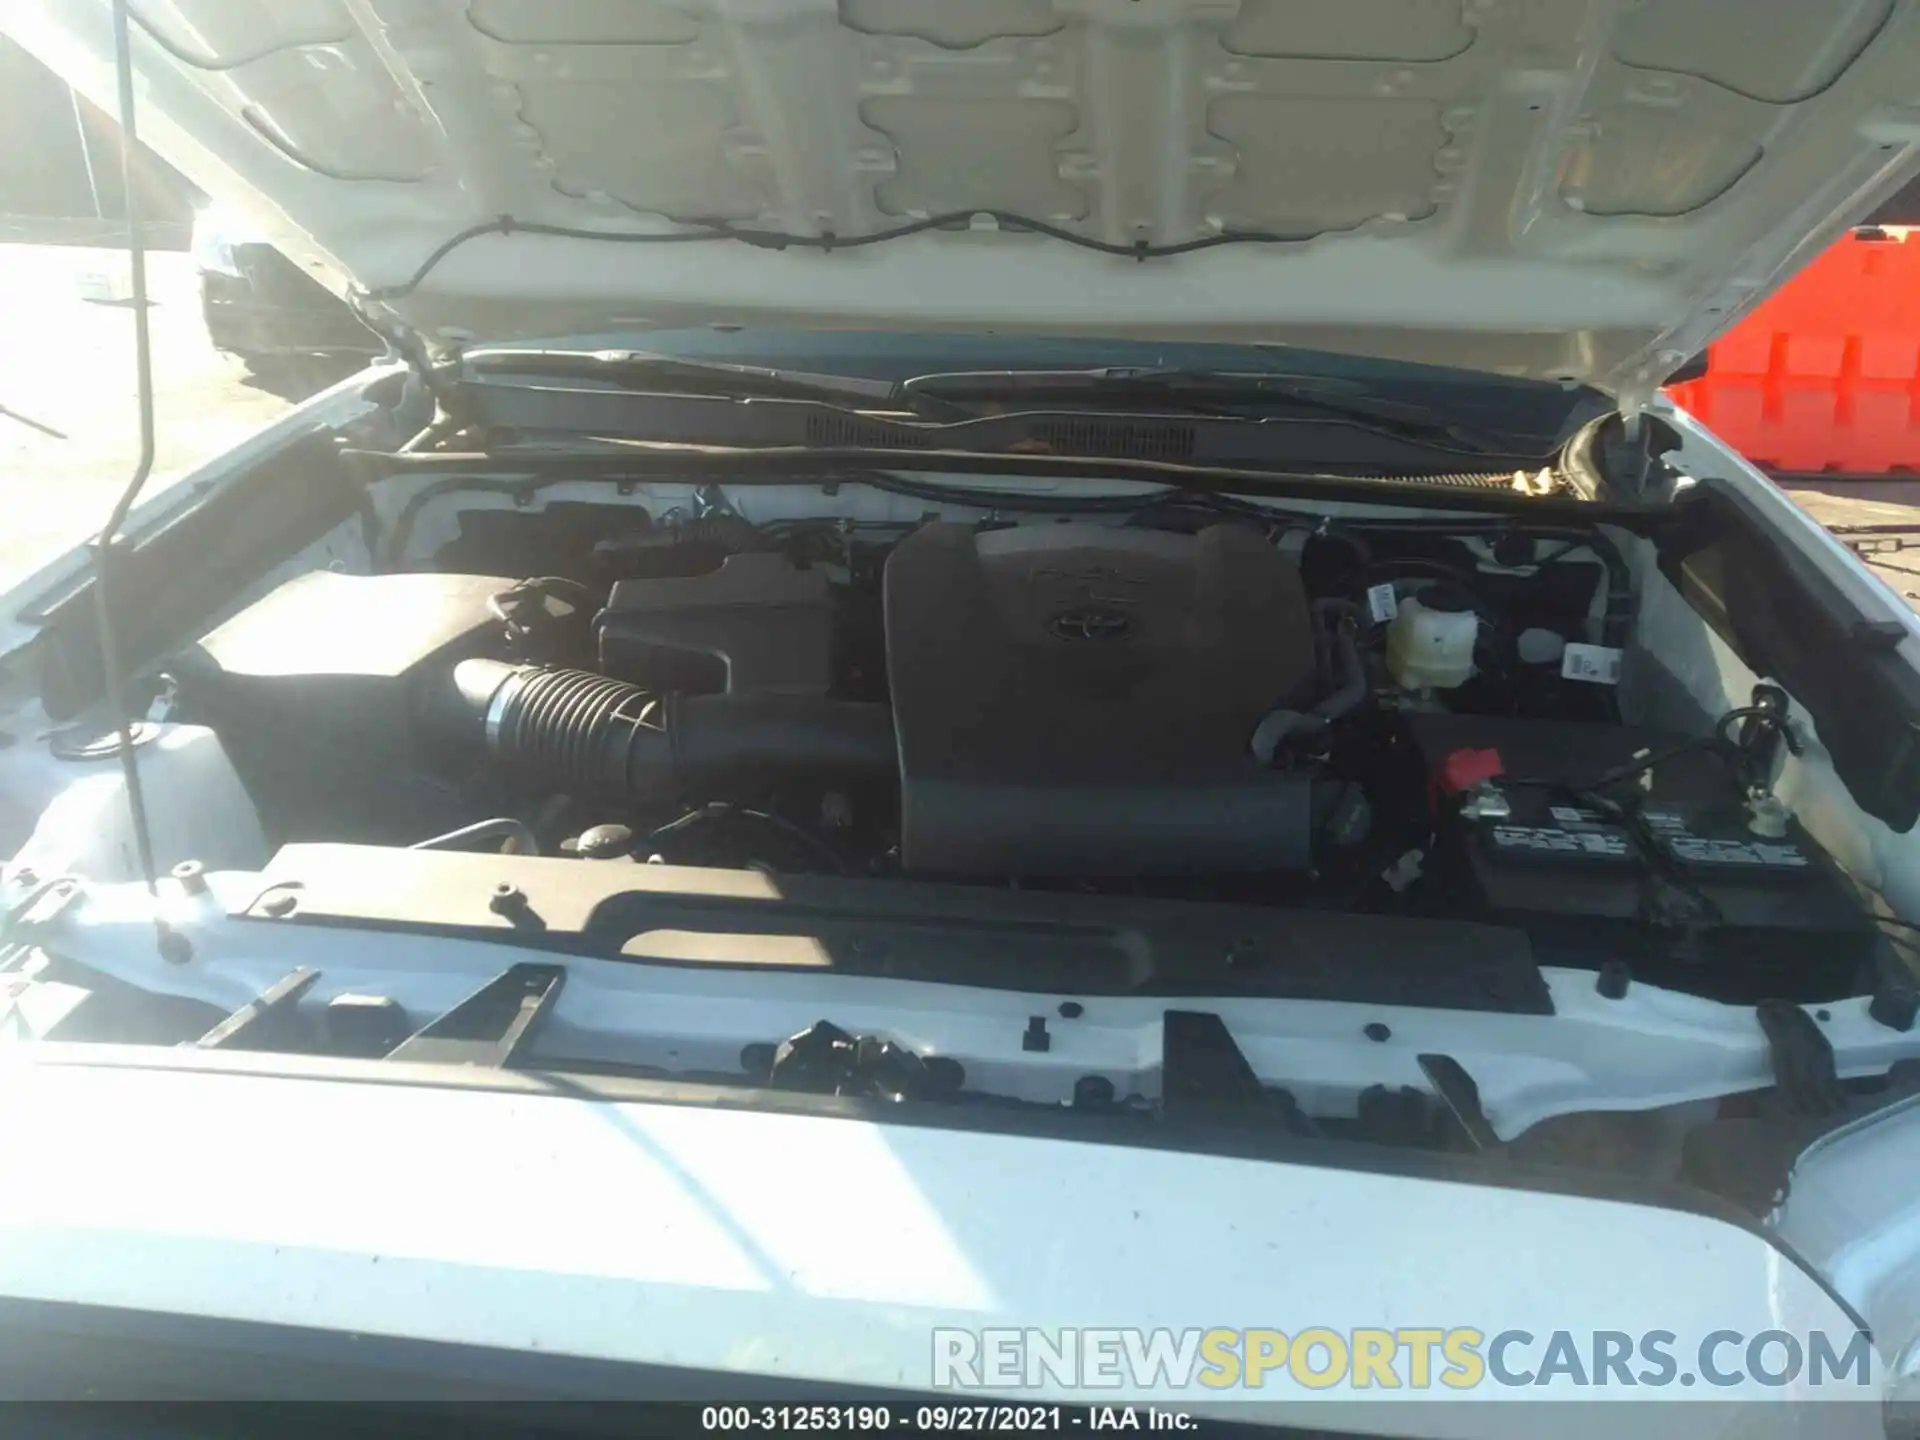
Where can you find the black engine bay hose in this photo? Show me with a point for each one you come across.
(598, 736)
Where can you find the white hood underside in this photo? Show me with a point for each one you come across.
(1576, 189)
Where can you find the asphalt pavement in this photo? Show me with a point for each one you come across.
(1878, 500)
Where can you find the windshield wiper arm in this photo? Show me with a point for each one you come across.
(641, 370)
(1203, 391)
(955, 396)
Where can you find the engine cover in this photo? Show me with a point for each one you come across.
(1078, 699)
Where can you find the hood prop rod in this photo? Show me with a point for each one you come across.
(106, 546)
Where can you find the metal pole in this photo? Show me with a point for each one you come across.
(143, 374)
(86, 153)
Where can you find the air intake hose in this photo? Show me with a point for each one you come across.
(599, 736)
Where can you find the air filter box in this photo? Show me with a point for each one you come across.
(314, 690)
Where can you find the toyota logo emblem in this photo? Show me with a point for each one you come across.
(1091, 625)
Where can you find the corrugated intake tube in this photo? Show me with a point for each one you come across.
(594, 735)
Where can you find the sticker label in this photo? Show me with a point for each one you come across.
(1547, 840)
(1380, 603)
(1659, 820)
(1695, 850)
(1595, 664)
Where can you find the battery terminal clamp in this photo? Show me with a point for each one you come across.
(1471, 773)
(1486, 802)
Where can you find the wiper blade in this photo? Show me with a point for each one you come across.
(961, 399)
(1215, 391)
(642, 370)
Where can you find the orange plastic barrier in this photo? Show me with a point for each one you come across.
(1825, 374)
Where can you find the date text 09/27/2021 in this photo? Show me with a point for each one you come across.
(959, 1418)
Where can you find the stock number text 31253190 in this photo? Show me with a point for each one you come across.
(935, 1419)
(881, 1418)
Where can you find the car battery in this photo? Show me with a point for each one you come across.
(1694, 895)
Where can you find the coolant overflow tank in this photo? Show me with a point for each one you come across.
(1430, 642)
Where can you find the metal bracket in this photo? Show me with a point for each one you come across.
(1201, 1068)
(250, 1027)
(1204, 1075)
(1461, 1096)
(1801, 1058)
(491, 1025)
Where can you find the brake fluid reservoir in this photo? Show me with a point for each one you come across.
(1430, 642)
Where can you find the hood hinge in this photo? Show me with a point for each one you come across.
(450, 413)
(1623, 453)
(1629, 455)
(1631, 406)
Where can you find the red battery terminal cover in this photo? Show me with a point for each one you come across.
(1461, 771)
(1464, 769)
